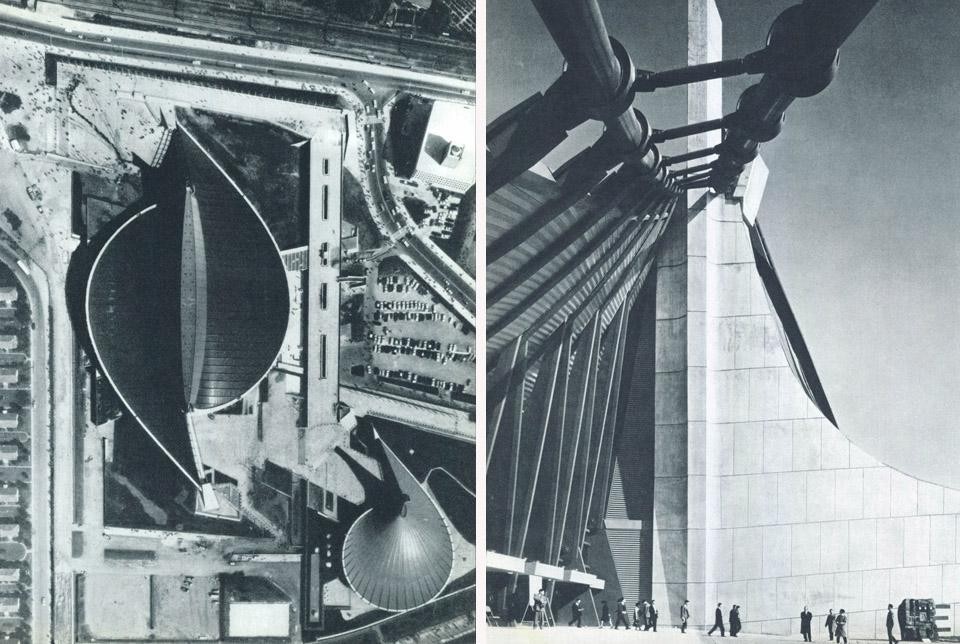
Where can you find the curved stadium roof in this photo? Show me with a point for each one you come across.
(398, 560)
(187, 302)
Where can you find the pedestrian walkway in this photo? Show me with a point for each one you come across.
(667, 635)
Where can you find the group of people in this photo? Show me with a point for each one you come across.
(836, 624)
(645, 615)
(735, 624)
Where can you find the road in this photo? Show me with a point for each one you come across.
(414, 249)
(99, 41)
(426, 259)
(300, 24)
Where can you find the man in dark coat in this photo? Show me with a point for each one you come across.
(717, 621)
(577, 610)
(829, 623)
(733, 621)
(890, 638)
(840, 625)
(806, 618)
(654, 615)
(621, 614)
(684, 616)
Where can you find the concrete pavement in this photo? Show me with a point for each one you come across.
(667, 635)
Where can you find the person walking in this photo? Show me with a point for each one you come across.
(621, 614)
(890, 638)
(654, 615)
(841, 626)
(717, 621)
(604, 614)
(577, 609)
(684, 616)
(637, 611)
(829, 623)
(732, 620)
(736, 617)
(806, 619)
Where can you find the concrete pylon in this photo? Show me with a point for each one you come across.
(684, 503)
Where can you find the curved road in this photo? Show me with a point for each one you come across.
(453, 284)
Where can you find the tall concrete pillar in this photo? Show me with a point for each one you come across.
(685, 504)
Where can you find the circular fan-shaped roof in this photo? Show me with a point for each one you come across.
(398, 561)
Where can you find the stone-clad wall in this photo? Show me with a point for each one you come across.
(758, 500)
(793, 512)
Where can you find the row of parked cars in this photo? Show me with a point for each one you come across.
(418, 379)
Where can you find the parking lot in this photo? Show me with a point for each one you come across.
(414, 344)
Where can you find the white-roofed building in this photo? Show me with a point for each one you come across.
(255, 607)
(9, 575)
(9, 420)
(9, 531)
(8, 293)
(448, 151)
(8, 342)
(9, 376)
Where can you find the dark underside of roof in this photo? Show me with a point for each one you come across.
(187, 303)
(134, 323)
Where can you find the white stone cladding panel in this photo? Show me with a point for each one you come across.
(807, 516)
(777, 445)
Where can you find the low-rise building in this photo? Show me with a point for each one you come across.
(9, 531)
(9, 496)
(9, 453)
(447, 160)
(9, 606)
(8, 294)
(9, 376)
(255, 607)
(8, 342)
(9, 420)
(9, 575)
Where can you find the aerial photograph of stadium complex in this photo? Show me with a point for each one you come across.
(237, 321)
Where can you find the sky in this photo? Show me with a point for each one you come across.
(860, 209)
